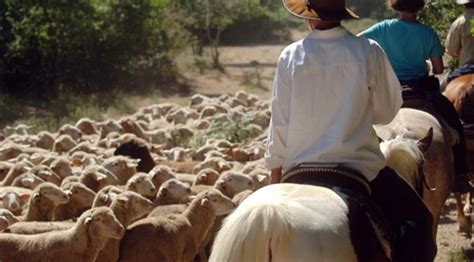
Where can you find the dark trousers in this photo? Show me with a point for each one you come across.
(410, 219)
(444, 108)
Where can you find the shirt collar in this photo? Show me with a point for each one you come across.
(329, 33)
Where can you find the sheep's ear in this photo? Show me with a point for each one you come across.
(100, 177)
(25, 196)
(88, 221)
(27, 181)
(104, 197)
(203, 177)
(191, 198)
(204, 202)
(36, 196)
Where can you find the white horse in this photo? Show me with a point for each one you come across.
(292, 222)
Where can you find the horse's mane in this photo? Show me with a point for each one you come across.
(403, 155)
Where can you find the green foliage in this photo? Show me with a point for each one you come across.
(459, 256)
(51, 45)
(235, 130)
(440, 15)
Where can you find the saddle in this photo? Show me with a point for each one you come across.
(350, 183)
(418, 94)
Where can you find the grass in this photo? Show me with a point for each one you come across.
(67, 108)
(459, 256)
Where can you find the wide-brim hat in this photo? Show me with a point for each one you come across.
(463, 2)
(321, 9)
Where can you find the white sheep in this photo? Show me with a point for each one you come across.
(217, 163)
(14, 201)
(96, 177)
(45, 140)
(45, 173)
(43, 201)
(14, 172)
(27, 180)
(149, 239)
(61, 167)
(87, 126)
(172, 191)
(207, 176)
(159, 174)
(106, 195)
(83, 242)
(122, 167)
(80, 200)
(142, 184)
(74, 132)
(7, 218)
(127, 207)
(231, 183)
(63, 144)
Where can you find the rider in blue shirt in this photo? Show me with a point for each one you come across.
(408, 45)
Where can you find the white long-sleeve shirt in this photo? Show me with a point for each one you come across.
(330, 88)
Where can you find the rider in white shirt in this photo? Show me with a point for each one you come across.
(330, 88)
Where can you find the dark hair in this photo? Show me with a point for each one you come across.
(411, 6)
(469, 5)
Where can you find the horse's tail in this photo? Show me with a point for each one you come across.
(252, 232)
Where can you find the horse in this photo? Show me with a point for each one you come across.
(460, 91)
(438, 168)
(294, 222)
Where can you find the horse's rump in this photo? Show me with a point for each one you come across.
(292, 222)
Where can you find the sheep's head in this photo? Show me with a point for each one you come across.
(10, 151)
(45, 140)
(63, 144)
(27, 181)
(106, 195)
(142, 184)
(136, 205)
(8, 217)
(121, 166)
(61, 167)
(87, 126)
(51, 192)
(100, 176)
(207, 176)
(221, 204)
(79, 193)
(159, 174)
(234, 183)
(102, 222)
(74, 132)
(175, 188)
(46, 174)
(14, 201)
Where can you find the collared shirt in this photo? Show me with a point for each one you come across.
(460, 40)
(408, 45)
(330, 88)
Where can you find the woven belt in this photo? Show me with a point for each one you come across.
(335, 170)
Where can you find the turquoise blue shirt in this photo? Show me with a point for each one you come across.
(408, 46)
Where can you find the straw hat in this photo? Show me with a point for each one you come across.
(321, 9)
(463, 2)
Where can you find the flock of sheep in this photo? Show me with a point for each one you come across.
(123, 190)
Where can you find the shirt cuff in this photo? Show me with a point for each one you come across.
(272, 162)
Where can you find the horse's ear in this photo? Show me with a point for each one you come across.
(425, 142)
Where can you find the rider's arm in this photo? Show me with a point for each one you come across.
(384, 86)
(453, 40)
(276, 151)
(437, 64)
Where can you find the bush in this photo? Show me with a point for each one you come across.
(87, 46)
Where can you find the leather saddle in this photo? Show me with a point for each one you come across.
(418, 94)
(350, 183)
